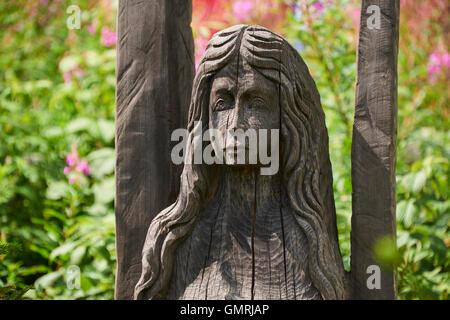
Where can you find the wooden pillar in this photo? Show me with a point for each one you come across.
(374, 144)
(155, 70)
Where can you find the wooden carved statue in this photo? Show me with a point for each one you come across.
(242, 227)
(234, 233)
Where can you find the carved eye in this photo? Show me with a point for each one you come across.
(221, 105)
(257, 103)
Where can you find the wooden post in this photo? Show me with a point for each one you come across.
(374, 144)
(155, 70)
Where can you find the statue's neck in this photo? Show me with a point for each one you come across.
(246, 187)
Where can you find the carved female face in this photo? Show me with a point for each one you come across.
(241, 104)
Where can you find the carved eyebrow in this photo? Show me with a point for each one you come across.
(224, 85)
(256, 91)
(224, 91)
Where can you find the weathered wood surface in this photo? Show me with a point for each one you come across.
(155, 69)
(233, 233)
(374, 147)
(238, 242)
(244, 246)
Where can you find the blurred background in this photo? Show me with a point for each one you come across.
(57, 90)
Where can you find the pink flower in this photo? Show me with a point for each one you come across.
(67, 77)
(436, 64)
(318, 6)
(83, 167)
(435, 58)
(71, 160)
(72, 180)
(356, 14)
(445, 59)
(33, 12)
(108, 37)
(242, 10)
(433, 69)
(92, 29)
(77, 165)
(79, 72)
(76, 70)
(200, 46)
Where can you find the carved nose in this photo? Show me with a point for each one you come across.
(237, 120)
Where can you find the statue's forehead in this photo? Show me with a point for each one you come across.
(246, 75)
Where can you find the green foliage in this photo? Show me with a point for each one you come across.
(11, 292)
(422, 215)
(56, 223)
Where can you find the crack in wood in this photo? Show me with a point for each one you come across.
(209, 248)
(280, 184)
(255, 176)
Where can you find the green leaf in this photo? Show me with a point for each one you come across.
(98, 209)
(415, 181)
(47, 280)
(438, 246)
(85, 283)
(53, 132)
(34, 270)
(420, 255)
(407, 212)
(63, 250)
(68, 63)
(80, 124)
(102, 162)
(104, 191)
(106, 129)
(77, 255)
(57, 190)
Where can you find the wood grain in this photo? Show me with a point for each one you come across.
(374, 147)
(155, 69)
(233, 233)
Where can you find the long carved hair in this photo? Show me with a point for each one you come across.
(305, 165)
